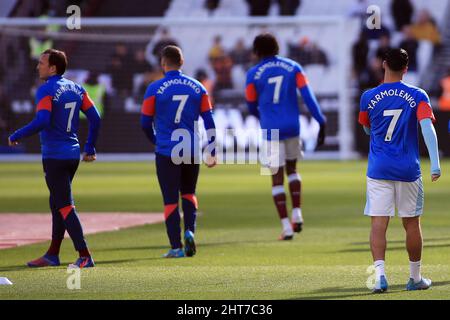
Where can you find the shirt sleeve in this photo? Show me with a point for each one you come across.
(87, 102)
(308, 95)
(43, 99)
(424, 109)
(148, 106)
(251, 94)
(300, 77)
(205, 102)
(363, 117)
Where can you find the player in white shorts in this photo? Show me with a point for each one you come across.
(390, 114)
(272, 96)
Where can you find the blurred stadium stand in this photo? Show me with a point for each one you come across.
(118, 62)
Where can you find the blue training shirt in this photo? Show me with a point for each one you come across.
(58, 105)
(176, 102)
(272, 85)
(392, 111)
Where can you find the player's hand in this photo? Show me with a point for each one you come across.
(12, 143)
(89, 158)
(435, 177)
(321, 135)
(211, 161)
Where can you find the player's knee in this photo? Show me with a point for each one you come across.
(294, 177)
(277, 178)
(191, 198)
(291, 167)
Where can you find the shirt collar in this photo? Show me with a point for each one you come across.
(269, 58)
(173, 73)
(54, 77)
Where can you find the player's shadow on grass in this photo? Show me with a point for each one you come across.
(106, 262)
(200, 245)
(341, 293)
(14, 268)
(399, 241)
(444, 245)
(138, 248)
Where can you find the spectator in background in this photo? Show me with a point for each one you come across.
(383, 47)
(121, 74)
(259, 7)
(317, 55)
(202, 76)
(211, 5)
(360, 51)
(222, 68)
(402, 12)
(164, 40)
(288, 7)
(307, 52)
(299, 52)
(410, 44)
(425, 28)
(96, 92)
(241, 55)
(216, 50)
(149, 77)
(373, 76)
(444, 100)
(139, 64)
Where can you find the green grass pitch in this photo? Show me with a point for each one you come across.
(238, 256)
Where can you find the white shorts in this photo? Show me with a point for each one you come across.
(384, 196)
(274, 153)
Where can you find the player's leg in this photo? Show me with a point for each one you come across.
(295, 189)
(410, 198)
(378, 247)
(277, 156)
(293, 151)
(60, 185)
(189, 177)
(58, 229)
(380, 206)
(51, 257)
(273, 158)
(279, 198)
(169, 175)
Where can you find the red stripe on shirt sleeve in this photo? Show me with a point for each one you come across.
(424, 111)
(45, 104)
(250, 93)
(148, 106)
(302, 80)
(205, 104)
(363, 119)
(87, 102)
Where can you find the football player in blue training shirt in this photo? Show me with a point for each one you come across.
(173, 104)
(272, 96)
(59, 102)
(390, 114)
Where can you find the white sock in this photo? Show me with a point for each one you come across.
(379, 269)
(287, 227)
(297, 215)
(414, 271)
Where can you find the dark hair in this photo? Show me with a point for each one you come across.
(265, 45)
(57, 58)
(397, 59)
(173, 55)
